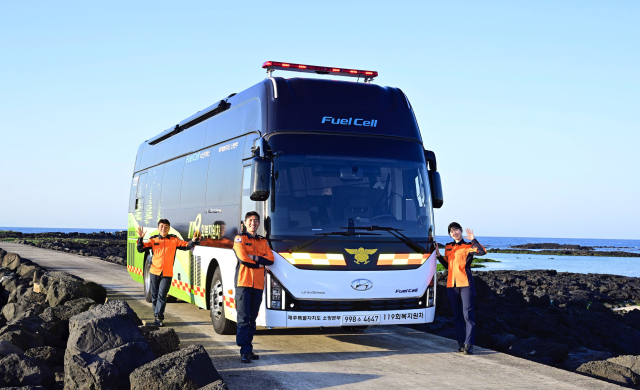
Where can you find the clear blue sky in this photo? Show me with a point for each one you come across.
(532, 107)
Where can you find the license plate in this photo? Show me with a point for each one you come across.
(361, 320)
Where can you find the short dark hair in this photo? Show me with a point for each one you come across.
(453, 225)
(219, 223)
(165, 221)
(251, 214)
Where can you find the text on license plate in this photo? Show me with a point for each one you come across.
(362, 319)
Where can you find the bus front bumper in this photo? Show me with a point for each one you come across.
(297, 319)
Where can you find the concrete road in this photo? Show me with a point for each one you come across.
(392, 357)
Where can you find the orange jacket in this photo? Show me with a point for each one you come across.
(253, 253)
(164, 252)
(458, 257)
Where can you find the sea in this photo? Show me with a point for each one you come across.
(626, 266)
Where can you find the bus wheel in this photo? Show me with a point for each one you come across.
(146, 275)
(221, 324)
(355, 328)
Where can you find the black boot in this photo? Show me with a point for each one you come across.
(460, 347)
(244, 358)
(468, 349)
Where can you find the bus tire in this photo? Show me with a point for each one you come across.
(221, 324)
(146, 276)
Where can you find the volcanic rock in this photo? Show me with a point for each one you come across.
(20, 337)
(6, 348)
(49, 356)
(161, 340)
(579, 356)
(610, 372)
(20, 370)
(629, 361)
(65, 289)
(10, 310)
(188, 369)
(86, 371)
(217, 385)
(104, 347)
(563, 319)
(11, 261)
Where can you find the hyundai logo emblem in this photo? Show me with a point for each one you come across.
(361, 284)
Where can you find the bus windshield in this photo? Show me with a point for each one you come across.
(323, 182)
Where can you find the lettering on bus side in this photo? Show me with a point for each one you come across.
(350, 121)
(207, 231)
(198, 155)
(226, 147)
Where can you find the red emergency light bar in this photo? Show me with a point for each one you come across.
(366, 74)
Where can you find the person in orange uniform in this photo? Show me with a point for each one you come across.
(457, 259)
(253, 253)
(163, 246)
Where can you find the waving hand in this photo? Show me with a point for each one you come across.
(140, 231)
(470, 235)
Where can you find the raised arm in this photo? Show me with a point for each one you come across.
(188, 245)
(142, 246)
(476, 248)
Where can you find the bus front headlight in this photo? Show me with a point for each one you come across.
(275, 295)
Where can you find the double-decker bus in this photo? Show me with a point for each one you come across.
(337, 171)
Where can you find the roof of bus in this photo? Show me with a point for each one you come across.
(341, 106)
(319, 105)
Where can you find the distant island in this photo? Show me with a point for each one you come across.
(553, 249)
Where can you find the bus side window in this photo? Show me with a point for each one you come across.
(152, 195)
(172, 184)
(133, 193)
(225, 173)
(194, 179)
(142, 185)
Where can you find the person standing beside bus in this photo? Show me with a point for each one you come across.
(253, 253)
(163, 246)
(457, 259)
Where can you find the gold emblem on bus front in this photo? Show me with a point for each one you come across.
(361, 254)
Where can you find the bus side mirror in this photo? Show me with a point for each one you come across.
(260, 179)
(436, 189)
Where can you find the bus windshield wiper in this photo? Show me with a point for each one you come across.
(292, 249)
(396, 233)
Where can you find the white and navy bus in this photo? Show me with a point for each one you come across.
(342, 181)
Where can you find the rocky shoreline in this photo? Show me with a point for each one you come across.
(58, 331)
(554, 249)
(561, 319)
(555, 318)
(111, 247)
(565, 252)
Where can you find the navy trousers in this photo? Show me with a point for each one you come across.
(248, 302)
(462, 299)
(159, 289)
